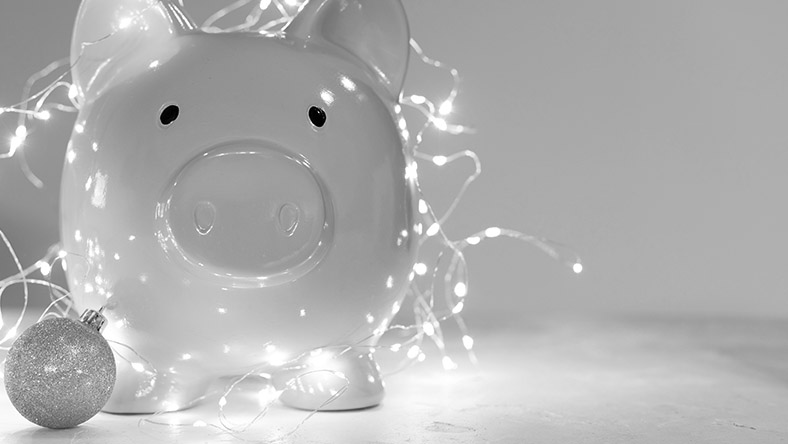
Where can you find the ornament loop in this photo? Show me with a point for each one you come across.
(93, 319)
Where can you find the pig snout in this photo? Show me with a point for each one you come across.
(247, 212)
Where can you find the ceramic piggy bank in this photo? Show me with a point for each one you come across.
(239, 201)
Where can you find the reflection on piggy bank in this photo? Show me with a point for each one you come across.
(240, 200)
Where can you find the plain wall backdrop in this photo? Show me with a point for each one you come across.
(649, 135)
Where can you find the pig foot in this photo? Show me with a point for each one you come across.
(140, 390)
(332, 378)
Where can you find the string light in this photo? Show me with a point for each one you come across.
(447, 274)
(446, 108)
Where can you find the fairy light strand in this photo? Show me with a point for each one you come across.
(428, 319)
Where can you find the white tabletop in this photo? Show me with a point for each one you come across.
(560, 381)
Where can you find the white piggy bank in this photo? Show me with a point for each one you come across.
(239, 200)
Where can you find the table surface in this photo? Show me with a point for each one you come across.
(551, 381)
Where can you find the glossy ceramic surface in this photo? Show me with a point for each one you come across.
(243, 233)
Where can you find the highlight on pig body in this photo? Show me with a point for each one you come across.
(240, 200)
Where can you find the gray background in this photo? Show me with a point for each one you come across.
(648, 135)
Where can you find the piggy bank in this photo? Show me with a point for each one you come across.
(240, 202)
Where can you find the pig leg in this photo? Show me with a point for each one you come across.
(142, 390)
(334, 378)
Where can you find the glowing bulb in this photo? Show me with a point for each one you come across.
(440, 124)
(433, 229)
(411, 171)
(423, 206)
(439, 160)
(138, 367)
(71, 155)
(413, 352)
(448, 363)
(461, 289)
(420, 268)
(473, 240)
(18, 139)
(577, 268)
(319, 358)
(467, 342)
(418, 100)
(291, 2)
(199, 423)
(61, 254)
(267, 395)
(14, 144)
(43, 115)
(73, 92)
(44, 267)
(446, 108)
(492, 232)
(170, 406)
(422, 357)
(222, 401)
(186, 356)
(124, 22)
(428, 328)
(277, 359)
(79, 128)
(153, 64)
(458, 308)
(395, 348)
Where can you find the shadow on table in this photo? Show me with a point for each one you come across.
(81, 434)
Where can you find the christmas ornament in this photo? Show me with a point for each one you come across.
(60, 372)
(240, 200)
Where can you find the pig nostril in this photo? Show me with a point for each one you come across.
(204, 217)
(288, 218)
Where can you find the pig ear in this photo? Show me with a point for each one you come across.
(110, 30)
(375, 31)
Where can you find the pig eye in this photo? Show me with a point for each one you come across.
(317, 116)
(169, 114)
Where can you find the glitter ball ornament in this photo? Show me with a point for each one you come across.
(60, 372)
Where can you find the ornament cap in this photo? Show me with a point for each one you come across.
(93, 319)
